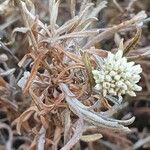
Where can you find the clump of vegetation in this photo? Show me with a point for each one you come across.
(62, 86)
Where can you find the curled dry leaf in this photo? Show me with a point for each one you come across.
(60, 107)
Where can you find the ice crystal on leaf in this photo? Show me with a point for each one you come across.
(117, 76)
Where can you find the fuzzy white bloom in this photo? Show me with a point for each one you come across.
(21, 83)
(118, 77)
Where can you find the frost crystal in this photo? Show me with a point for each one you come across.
(117, 77)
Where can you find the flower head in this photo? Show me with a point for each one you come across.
(117, 76)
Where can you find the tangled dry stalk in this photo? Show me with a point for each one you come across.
(64, 107)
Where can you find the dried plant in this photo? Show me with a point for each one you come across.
(81, 85)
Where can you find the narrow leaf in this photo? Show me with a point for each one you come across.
(77, 134)
(88, 67)
(133, 42)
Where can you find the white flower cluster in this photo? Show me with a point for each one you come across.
(117, 76)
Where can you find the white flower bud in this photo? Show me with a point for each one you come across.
(128, 75)
(131, 93)
(117, 77)
(95, 72)
(136, 69)
(124, 87)
(137, 88)
(98, 87)
(104, 92)
(115, 67)
(112, 85)
(106, 85)
(121, 68)
(112, 73)
(108, 78)
(128, 83)
(130, 64)
(119, 84)
(112, 91)
(136, 78)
